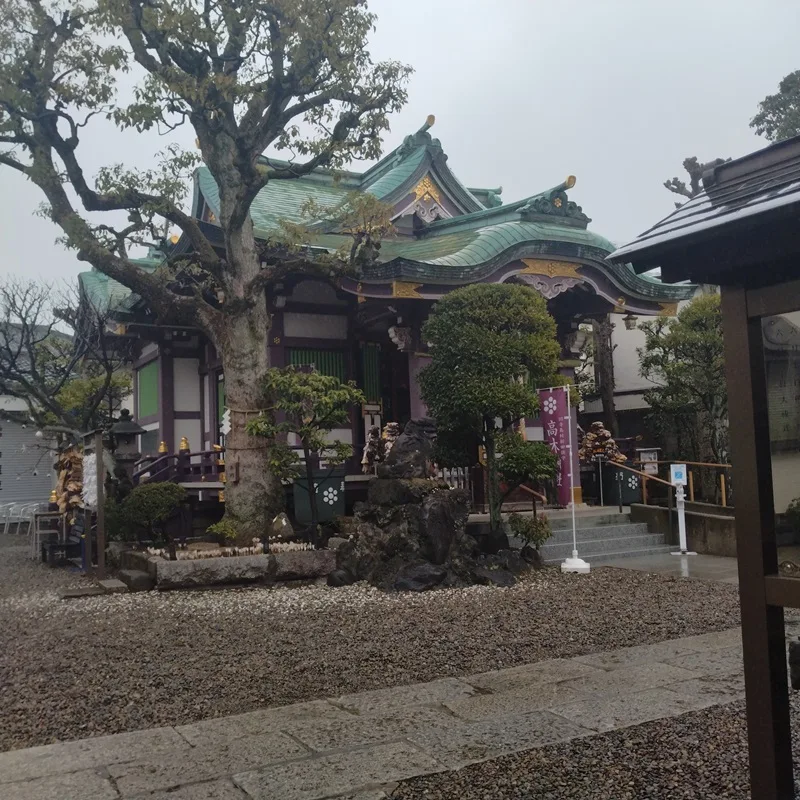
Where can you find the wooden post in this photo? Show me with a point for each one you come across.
(101, 515)
(691, 486)
(722, 488)
(644, 490)
(763, 634)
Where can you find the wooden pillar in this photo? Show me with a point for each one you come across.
(769, 734)
(101, 499)
(166, 396)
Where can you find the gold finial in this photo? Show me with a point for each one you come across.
(53, 496)
(221, 496)
(570, 181)
(174, 238)
(162, 447)
(217, 447)
(430, 120)
(184, 444)
(222, 478)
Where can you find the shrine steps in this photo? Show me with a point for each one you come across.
(602, 538)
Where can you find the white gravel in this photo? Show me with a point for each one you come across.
(124, 662)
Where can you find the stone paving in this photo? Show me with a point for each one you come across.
(356, 746)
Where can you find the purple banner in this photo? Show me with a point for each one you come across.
(554, 414)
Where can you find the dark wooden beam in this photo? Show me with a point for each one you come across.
(766, 683)
(768, 301)
(782, 591)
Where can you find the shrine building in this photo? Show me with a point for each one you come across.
(367, 328)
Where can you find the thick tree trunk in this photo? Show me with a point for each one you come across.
(604, 359)
(253, 500)
(495, 499)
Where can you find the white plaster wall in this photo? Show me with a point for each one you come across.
(190, 428)
(186, 387)
(626, 359)
(314, 326)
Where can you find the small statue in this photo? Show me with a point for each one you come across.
(374, 450)
(599, 442)
(391, 433)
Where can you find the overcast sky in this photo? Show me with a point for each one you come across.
(526, 92)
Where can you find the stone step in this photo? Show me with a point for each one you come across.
(583, 521)
(599, 532)
(137, 580)
(596, 547)
(646, 551)
(601, 558)
(564, 537)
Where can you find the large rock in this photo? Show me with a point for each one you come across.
(419, 577)
(493, 576)
(412, 454)
(304, 564)
(215, 571)
(137, 580)
(428, 527)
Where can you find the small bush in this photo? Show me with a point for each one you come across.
(225, 529)
(534, 531)
(151, 505)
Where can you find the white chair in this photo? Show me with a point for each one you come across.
(13, 516)
(43, 524)
(5, 513)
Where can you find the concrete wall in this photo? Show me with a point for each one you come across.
(708, 533)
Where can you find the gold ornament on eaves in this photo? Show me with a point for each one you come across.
(553, 269)
(427, 188)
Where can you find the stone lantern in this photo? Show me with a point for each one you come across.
(125, 431)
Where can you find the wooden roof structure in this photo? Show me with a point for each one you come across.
(743, 233)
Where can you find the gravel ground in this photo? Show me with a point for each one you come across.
(697, 756)
(107, 664)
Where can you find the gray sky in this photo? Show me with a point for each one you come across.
(526, 92)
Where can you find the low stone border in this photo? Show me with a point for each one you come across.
(265, 568)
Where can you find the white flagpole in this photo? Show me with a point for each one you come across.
(573, 564)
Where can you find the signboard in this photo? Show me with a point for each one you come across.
(677, 474)
(554, 414)
(649, 460)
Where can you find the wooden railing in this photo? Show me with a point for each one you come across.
(722, 481)
(182, 467)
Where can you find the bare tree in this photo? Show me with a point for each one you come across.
(58, 355)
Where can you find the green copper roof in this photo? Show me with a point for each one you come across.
(470, 246)
(104, 292)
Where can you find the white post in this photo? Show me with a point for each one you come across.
(573, 564)
(678, 476)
